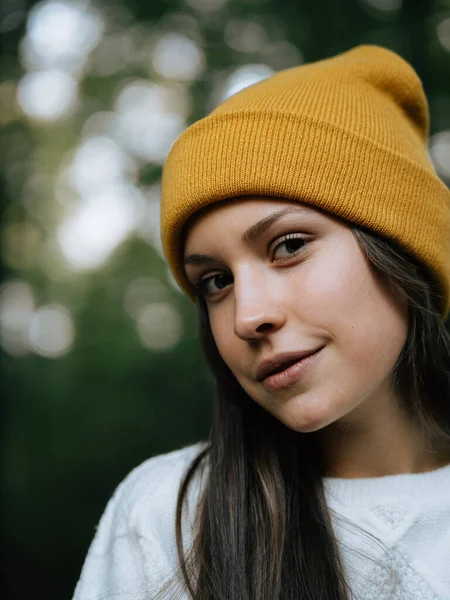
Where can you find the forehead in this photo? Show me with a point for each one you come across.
(240, 213)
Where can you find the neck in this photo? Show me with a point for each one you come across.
(378, 443)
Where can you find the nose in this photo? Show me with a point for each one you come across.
(258, 308)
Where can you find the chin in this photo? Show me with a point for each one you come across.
(303, 423)
(306, 419)
(306, 427)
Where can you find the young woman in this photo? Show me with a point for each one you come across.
(305, 218)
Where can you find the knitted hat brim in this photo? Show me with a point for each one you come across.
(350, 170)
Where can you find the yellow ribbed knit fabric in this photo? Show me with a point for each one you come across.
(347, 135)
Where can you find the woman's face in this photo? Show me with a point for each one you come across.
(298, 315)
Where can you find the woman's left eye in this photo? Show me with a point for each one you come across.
(288, 246)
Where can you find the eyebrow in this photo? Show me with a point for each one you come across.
(250, 235)
(259, 228)
(199, 259)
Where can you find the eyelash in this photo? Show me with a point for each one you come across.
(286, 238)
(201, 286)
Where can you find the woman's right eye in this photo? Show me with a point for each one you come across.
(213, 284)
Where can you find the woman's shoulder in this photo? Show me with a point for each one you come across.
(147, 497)
(134, 546)
(158, 472)
(157, 477)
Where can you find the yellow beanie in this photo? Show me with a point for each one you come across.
(347, 135)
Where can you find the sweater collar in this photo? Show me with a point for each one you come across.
(410, 487)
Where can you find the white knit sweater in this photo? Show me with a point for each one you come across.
(133, 551)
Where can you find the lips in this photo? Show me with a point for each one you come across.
(280, 362)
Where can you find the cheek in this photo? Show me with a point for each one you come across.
(228, 344)
(333, 285)
(364, 319)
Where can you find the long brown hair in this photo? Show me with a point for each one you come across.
(263, 527)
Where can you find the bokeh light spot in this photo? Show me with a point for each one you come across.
(440, 152)
(47, 95)
(99, 224)
(141, 292)
(51, 331)
(175, 56)
(99, 124)
(281, 55)
(12, 20)
(244, 35)
(245, 76)
(443, 32)
(150, 117)
(16, 312)
(148, 227)
(160, 326)
(60, 34)
(98, 163)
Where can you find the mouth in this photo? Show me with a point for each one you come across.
(281, 362)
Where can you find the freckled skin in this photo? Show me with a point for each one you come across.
(327, 295)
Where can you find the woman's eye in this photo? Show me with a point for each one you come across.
(288, 246)
(214, 283)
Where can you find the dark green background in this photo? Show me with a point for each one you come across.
(72, 427)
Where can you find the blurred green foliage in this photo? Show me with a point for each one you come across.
(77, 417)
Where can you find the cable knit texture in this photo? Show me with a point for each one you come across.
(347, 135)
(394, 533)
